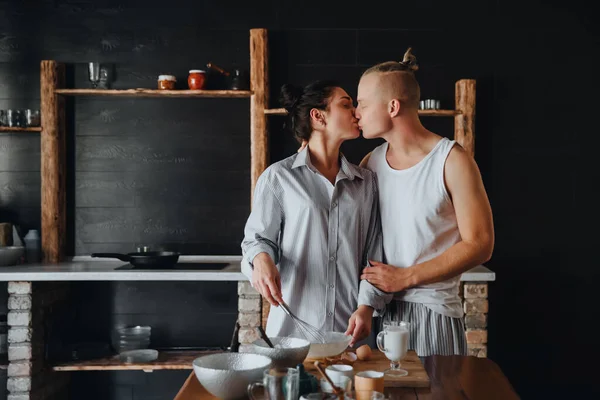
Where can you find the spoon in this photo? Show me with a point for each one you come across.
(336, 390)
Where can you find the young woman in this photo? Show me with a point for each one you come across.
(315, 222)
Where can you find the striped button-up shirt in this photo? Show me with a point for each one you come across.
(320, 236)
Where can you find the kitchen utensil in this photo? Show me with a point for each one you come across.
(337, 371)
(150, 259)
(138, 356)
(335, 344)
(278, 384)
(263, 335)
(227, 375)
(364, 395)
(307, 330)
(32, 118)
(288, 352)
(234, 345)
(217, 68)
(334, 388)
(94, 73)
(10, 255)
(393, 342)
(369, 380)
(344, 383)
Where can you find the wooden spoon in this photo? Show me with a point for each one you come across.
(336, 390)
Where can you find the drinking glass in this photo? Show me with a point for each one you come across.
(393, 342)
(278, 384)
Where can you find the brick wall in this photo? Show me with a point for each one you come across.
(29, 305)
(249, 312)
(475, 302)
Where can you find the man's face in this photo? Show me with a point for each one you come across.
(372, 109)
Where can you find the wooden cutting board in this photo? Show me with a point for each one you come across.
(417, 376)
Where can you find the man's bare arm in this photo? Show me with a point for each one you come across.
(475, 223)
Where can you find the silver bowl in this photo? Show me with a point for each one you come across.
(227, 375)
(288, 351)
(335, 343)
(10, 255)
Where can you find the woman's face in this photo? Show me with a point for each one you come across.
(340, 122)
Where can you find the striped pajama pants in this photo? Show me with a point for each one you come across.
(430, 332)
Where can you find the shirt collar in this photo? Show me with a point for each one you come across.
(349, 170)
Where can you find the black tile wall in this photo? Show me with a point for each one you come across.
(176, 172)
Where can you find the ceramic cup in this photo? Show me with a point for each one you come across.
(337, 371)
(369, 380)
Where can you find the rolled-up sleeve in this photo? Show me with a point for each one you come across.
(367, 293)
(262, 230)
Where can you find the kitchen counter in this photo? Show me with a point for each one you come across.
(85, 268)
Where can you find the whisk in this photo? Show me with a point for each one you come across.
(311, 333)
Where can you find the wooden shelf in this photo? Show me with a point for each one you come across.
(439, 113)
(154, 93)
(166, 360)
(14, 129)
(424, 113)
(276, 111)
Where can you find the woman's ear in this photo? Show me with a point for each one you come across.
(317, 117)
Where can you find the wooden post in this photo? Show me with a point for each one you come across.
(464, 122)
(259, 139)
(53, 163)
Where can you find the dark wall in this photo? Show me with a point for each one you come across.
(144, 170)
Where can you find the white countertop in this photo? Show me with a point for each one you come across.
(85, 268)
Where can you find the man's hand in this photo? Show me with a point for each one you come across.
(359, 325)
(387, 277)
(266, 279)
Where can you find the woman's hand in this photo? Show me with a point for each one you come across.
(266, 279)
(359, 325)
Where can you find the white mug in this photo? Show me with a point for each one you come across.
(336, 371)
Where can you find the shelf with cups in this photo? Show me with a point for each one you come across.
(155, 93)
(20, 129)
(173, 360)
(424, 113)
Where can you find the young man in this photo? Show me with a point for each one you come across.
(436, 217)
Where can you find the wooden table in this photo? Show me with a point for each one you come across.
(459, 377)
(451, 377)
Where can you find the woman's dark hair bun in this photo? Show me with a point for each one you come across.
(290, 95)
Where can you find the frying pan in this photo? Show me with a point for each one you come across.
(148, 259)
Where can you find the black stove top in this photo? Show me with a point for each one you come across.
(187, 266)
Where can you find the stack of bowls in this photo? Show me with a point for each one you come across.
(131, 338)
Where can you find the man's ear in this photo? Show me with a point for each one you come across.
(394, 107)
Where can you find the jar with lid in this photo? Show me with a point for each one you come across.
(166, 82)
(196, 79)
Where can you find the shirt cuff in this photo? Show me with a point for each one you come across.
(369, 295)
(256, 249)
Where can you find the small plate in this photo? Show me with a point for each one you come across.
(138, 356)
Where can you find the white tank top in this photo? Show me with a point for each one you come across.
(418, 222)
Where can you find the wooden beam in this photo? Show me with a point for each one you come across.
(259, 139)
(464, 123)
(53, 163)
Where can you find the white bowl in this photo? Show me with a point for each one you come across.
(10, 255)
(227, 375)
(335, 343)
(288, 351)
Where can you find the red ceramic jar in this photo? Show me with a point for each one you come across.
(196, 79)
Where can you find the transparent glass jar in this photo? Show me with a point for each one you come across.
(166, 82)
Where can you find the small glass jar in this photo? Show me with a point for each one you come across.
(166, 82)
(196, 79)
